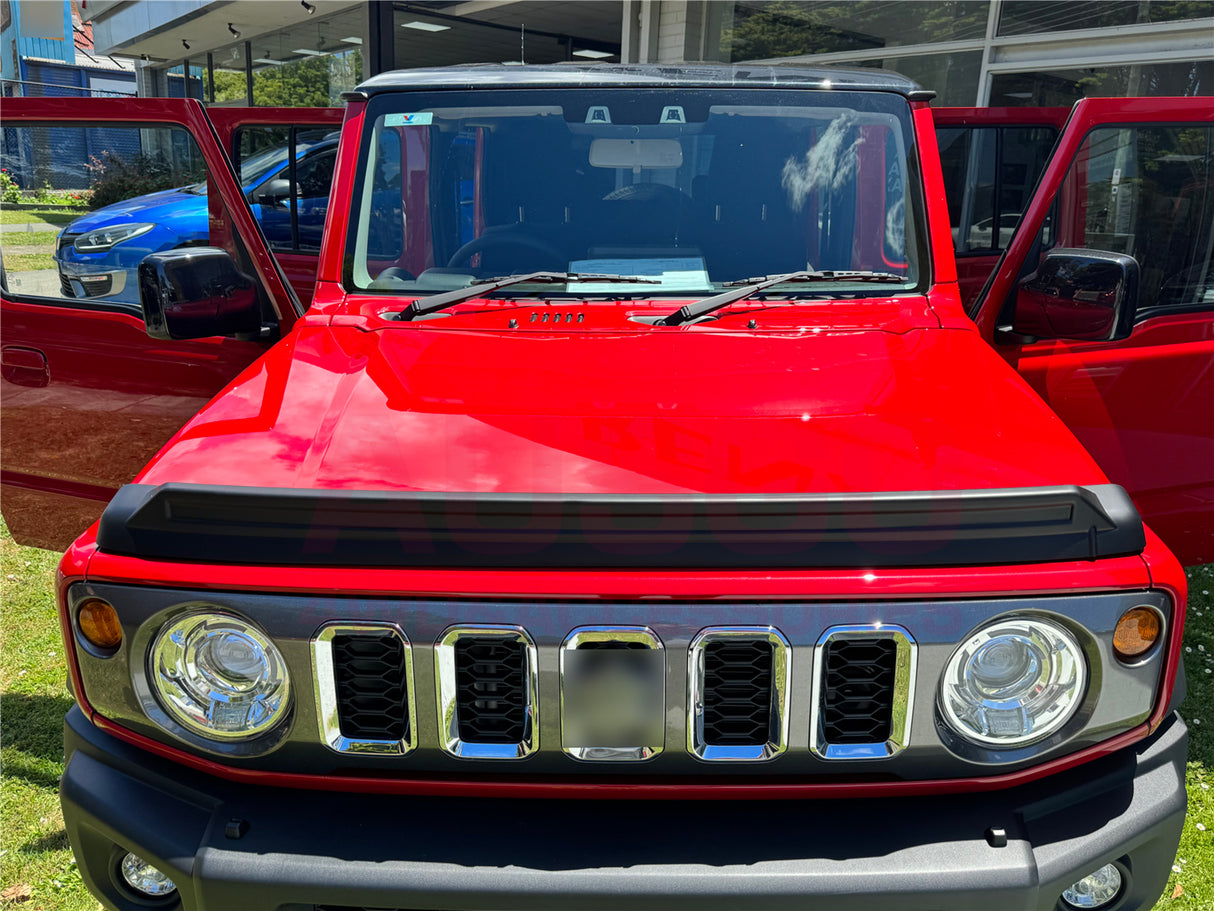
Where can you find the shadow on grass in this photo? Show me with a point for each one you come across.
(31, 729)
(55, 841)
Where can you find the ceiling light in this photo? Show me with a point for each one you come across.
(309, 52)
(425, 26)
(268, 61)
(308, 6)
(233, 31)
(352, 40)
(593, 55)
(185, 44)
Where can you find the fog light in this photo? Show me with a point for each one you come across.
(1137, 630)
(146, 879)
(1096, 889)
(99, 624)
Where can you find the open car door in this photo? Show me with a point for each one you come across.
(285, 159)
(1104, 301)
(87, 396)
(991, 159)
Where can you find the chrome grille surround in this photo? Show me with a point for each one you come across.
(902, 695)
(447, 690)
(781, 673)
(324, 687)
(635, 635)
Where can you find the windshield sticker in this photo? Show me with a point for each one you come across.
(674, 273)
(424, 119)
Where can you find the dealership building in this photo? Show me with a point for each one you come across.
(971, 52)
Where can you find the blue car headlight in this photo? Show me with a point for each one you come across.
(102, 239)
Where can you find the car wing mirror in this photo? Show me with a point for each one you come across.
(198, 292)
(273, 192)
(1083, 295)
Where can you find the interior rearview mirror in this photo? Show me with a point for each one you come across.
(1084, 295)
(197, 292)
(636, 154)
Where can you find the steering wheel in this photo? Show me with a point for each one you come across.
(488, 242)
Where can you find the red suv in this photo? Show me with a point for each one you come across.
(636, 517)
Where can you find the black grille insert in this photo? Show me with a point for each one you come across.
(491, 689)
(737, 692)
(858, 679)
(372, 686)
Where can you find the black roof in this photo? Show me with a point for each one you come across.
(591, 75)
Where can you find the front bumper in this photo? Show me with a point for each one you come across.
(306, 849)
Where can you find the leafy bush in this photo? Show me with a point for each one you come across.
(9, 191)
(115, 179)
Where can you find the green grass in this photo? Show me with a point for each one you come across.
(31, 238)
(28, 262)
(1195, 859)
(33, 701)
(10, 216)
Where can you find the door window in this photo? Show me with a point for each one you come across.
(91, 201)
(989, 176)
(1146, 191)
(286, 173)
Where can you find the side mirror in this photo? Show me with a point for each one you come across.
(197, 292)
(273, 192)
(1085, 295)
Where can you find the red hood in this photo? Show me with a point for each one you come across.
(703, 409)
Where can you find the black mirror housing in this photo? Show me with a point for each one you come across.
(1083, 295)
(197, 292)
(273, 192)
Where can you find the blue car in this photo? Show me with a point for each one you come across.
(98, 255)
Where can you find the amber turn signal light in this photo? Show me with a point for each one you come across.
(1137, 630)
(98, 623)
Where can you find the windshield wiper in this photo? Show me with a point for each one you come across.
(749, 287)
(435, 302)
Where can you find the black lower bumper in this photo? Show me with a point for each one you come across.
(305, 849)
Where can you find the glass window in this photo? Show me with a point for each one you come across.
(989, 176)
(132, 191)
(289, 198)
(953, 77)
(1148, 192)
(1062, 88)
(1027, 17)
(695, 188)
(761, 30)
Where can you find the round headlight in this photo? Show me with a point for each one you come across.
(219, 676)
(1013, 682)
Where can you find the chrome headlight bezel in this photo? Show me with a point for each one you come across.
(1047, 679)
(186, 677)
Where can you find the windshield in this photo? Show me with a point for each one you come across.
(692, 187)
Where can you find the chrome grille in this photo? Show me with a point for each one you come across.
(488, 697)
(363, 683)
(862, 696)
(372, 695)
(739, 696)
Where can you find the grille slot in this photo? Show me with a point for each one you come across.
(858, 690)
(492, 702)
(488, 698)
(737, 692)
(372, 692)
(364, 688)
(863, 689)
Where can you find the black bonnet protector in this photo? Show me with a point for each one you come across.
(288, 527)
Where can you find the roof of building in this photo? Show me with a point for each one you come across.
(590, 75)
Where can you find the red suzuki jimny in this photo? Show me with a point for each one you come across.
(636, 518)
